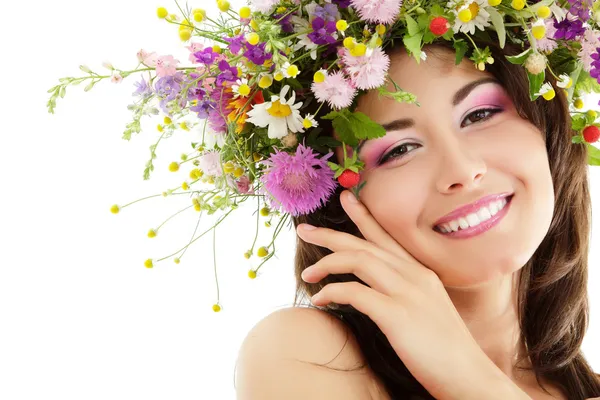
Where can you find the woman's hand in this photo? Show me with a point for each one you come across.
(410, 305)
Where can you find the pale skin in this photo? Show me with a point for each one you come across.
(466, 346)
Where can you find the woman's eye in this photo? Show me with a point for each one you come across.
(400, 150)
(479, 115)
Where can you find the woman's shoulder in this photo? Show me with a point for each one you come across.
(307, 341)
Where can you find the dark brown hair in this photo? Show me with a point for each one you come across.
(553, 306)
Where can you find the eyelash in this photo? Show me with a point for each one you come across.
(492, 112)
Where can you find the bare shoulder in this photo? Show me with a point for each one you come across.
(300, 353)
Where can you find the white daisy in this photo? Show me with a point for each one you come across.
(241, 88)
(546, 91)
(279, 114)
(289, 71)
(470, 14)
(564, 81)
(310, 121)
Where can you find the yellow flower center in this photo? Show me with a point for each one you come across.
(279, 110)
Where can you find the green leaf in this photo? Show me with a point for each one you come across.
(428, 37)
(535, 83)
(436, 10)
(593, 155)
(411, 24)
(577, 139)
(413, 45)
(423, 21)
(331, 115)
(352, 126)
(578, 122)
(461, 48)
(498, 23)
(587, 84)
(519, 58)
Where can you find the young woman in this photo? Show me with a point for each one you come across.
(419, 299)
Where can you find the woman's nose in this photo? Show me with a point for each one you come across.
(460, 165)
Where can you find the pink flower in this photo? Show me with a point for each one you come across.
(589, 42)
(194, 47)
(264, 6)
(377, 11)
(148, 59)
(243, 185)
(299, 182)
(210, 163)
(368, 71)
(166, 66)
(335, 90)
(547, 44)
(116, 78)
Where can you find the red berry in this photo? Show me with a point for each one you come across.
(438, 26)
(591, 134)
(348, 179)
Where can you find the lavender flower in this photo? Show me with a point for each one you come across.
(581, 9)
(568, 29)
(167, 88)
(329, 12)
(143, 89)
(228, 73)
(236, 43)
(206, 56)
(322, 31)
(202, 108)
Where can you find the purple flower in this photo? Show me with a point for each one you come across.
(217, 117)
(329, 12)
(257, 53)
(285, 22)
(228, 73)
(342, 3)
(206, 56)
(299, 182)
(581, 9)
(568, 29)
(167, 88)
(595, 71)
(236, 43)
(322, 31)
(202, 109)
(143, 89)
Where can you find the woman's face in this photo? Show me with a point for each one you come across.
(466, 141)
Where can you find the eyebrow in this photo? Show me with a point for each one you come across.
(458, 97)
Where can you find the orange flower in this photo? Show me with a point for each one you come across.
(241, 106)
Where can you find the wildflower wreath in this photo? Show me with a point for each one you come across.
(256, 70)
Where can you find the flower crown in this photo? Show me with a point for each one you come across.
(250, 83)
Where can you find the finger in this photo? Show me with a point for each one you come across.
(366, 300)
(331, 239)
(375, 272)
(370, 228)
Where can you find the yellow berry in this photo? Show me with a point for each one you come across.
(239, 171)
(228, 167)
(359, 50)
(349, 43)
(245, 12)
(185, 186)
(265, 211)
(185, 35)
(380, 29)
(211, 180)
(549, 95)
(265, 82)
(544, 12)
(262, 252)
(251, 274)
(593, 114)
(216, 308)
(151, 233)
(176, 260)
(197, 207)
(115, 209)
(174, 167)
(159, 128)
(253, 38)
(341, 25)
(518, 4)
(319, 77)
(539, 31)
(247, 255)
(494, 3)
(378, 42)
(578, 103)
(148, 263)
(281, 10)
(168, 120)
(223, 5)
(198, 17)
(465, 15)
(162, 12)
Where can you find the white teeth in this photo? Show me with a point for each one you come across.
(474, 219)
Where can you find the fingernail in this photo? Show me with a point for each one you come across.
(308, 227)
(352, 198)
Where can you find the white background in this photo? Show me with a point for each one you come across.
(81, 317)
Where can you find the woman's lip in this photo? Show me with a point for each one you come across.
(482, 227)
(471, 208)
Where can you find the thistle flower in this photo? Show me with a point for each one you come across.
(210, 163)
(298, 183)
(368, 71)
(335, 90)
(377, 11)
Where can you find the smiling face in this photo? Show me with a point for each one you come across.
(465, 141)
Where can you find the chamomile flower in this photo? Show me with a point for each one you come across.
(546, 91)
(469, 14)
(241, 88)
(310, 121)
(279, 115)
(564, 81)
(289, 70)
